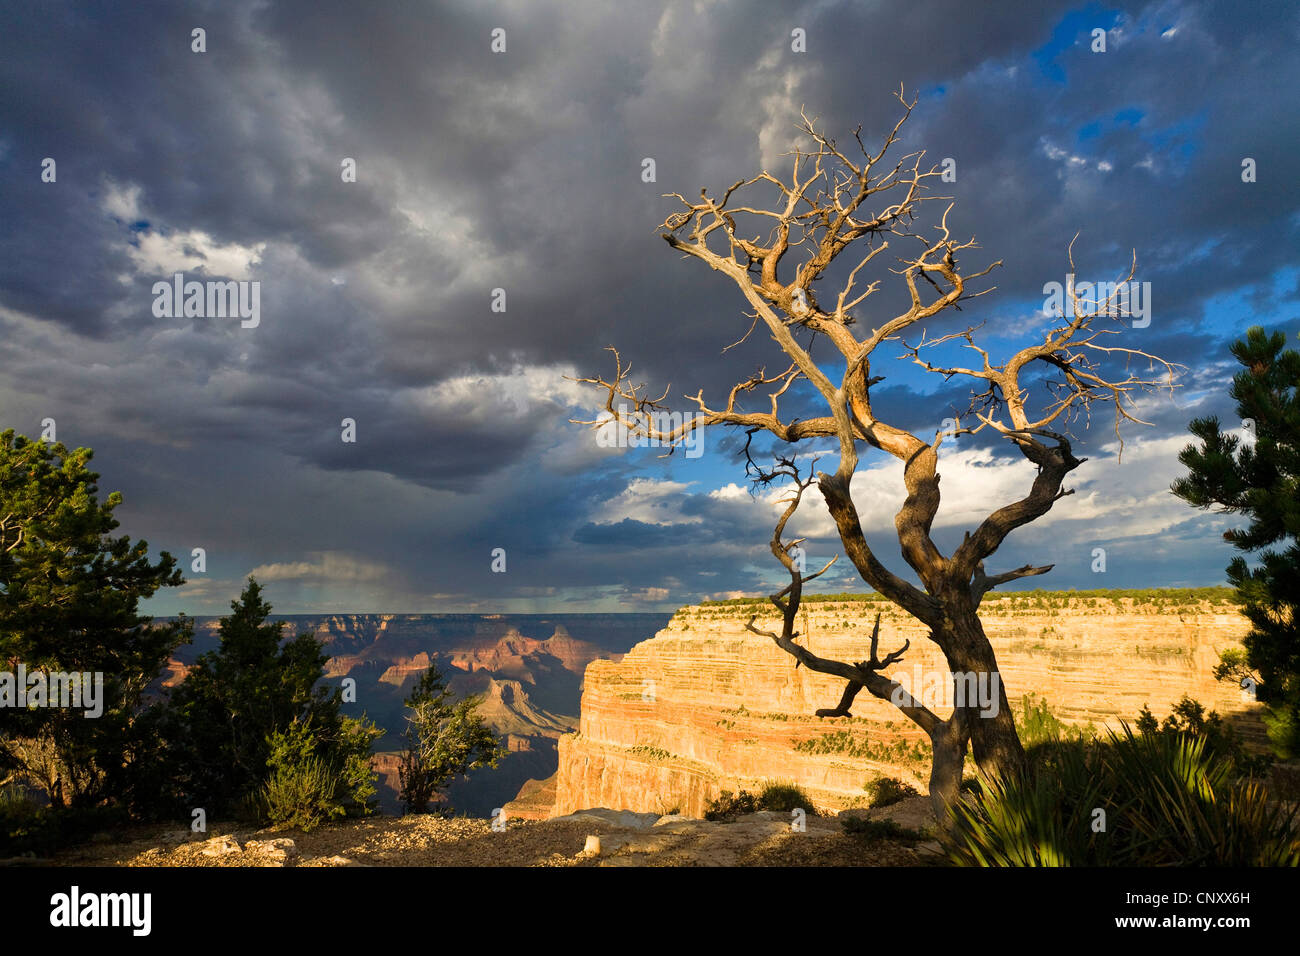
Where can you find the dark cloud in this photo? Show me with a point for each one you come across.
(521, 171)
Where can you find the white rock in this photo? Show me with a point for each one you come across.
(220, 846)
(280, 843)
(278, 852)
(619, 818)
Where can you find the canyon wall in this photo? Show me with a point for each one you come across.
(707, 706)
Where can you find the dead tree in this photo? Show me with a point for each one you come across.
(833, 205)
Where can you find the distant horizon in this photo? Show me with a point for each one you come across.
(537, 614)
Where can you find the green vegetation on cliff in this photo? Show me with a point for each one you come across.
(1159, 598)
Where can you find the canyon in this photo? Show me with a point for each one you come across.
(526, 668)
(656, 713)
(706, 706)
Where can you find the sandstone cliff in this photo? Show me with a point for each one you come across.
(706, 705)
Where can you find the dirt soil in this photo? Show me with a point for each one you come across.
(760, 839)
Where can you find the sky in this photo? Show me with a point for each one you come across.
(522, 170)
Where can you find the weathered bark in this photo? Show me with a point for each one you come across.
(948, 743)
(995, 743)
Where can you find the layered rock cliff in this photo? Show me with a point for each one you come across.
(707, 705)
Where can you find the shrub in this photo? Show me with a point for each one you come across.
(783, 796)
(22, 827)
(849, 744)
(301, 795)
(777, 796)
(1039, 725)
(873, 831)
(313, 781)
(886, 791)
(728, 806)
(28, 828)
(1167, 800)
(1189, 719)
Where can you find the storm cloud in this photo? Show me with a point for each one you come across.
(521, 171)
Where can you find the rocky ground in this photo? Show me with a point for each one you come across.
(590, 838)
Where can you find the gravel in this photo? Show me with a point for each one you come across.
(434, 841)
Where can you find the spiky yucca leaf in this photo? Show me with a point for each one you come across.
(1163, 801)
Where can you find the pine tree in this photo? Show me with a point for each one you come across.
(237, 698)
(1259, 479)
(443, 740)
(69, 593)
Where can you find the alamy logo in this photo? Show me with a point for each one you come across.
(212, 299)
(79, 690)
(75, 908)
(935, 689)
(641, 429)
(1116, 299)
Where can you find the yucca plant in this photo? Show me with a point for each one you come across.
(1039, 818)
(1163, 801)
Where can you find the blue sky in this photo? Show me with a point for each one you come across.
(521, 170)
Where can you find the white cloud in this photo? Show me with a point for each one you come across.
(480, 396)
(729, 492)
(780, 111)
(158, 252)
(122, 202)
(1071, 160)
(326, 566)
(649, 500)
(646, 596)
(1115, 500)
